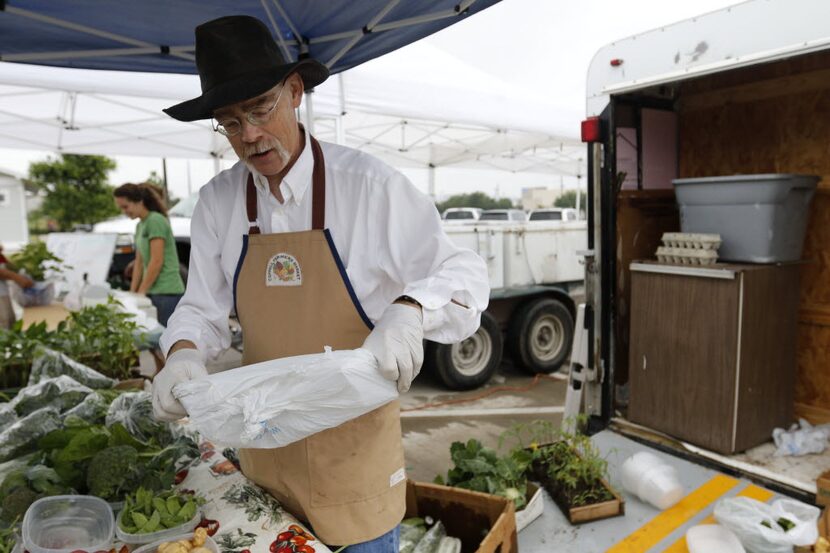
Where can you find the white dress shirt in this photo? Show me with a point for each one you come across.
(388, 235)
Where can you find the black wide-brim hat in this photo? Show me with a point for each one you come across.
(238, 59)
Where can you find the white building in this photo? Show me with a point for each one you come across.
(14, 229)
(538, 198)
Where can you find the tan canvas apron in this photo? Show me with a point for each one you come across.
(293, 297)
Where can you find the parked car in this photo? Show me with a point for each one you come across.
(553, 214)
(504, 215)
(461, 214)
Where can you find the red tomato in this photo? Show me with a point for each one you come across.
(79, 551)
(298, 540)
(296, 529)
(180, 476)
(273, 547)
(285, 549)
(285, 536)
(304, 549)
(212, 526)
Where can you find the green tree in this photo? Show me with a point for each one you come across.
(568, 199)
(475, 199)
(76, 189)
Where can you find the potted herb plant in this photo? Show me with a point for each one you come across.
(35, 261)
(570, 467)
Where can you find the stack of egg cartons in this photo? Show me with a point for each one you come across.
(683, 248)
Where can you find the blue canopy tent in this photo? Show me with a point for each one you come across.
(157, 35)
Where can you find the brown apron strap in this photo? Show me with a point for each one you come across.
(318, 179)
(250, 199)
(318, 193)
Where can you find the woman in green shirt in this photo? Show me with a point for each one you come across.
(156, 268)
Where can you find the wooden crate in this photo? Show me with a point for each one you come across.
(484, 523)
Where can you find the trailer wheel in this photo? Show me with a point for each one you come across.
(470, 363)
(540, 335)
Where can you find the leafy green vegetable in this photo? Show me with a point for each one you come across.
(22, 436)
(134, 410)
(34, 259)
(8, 537)
(146, 512)
(481, 469)
(61, 392)
(48, 363)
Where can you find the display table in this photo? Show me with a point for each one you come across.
(52, 314)
(239, 515)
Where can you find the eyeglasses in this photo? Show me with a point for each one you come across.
(257, 117)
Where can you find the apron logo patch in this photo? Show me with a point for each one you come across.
(283, 270)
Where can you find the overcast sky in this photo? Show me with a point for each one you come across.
(543, 45)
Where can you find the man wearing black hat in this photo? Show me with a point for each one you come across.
(313, 245)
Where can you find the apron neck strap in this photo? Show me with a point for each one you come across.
(318, 192)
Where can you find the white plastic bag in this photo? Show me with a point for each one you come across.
(275, 403)
(801, 441)
(756, 524)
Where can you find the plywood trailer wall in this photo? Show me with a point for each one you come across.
(775, 118)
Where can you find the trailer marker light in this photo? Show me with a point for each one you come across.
(591, 130)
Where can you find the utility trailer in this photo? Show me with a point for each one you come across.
(535, 276)
(744, 90)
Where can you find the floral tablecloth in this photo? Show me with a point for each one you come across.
(240, 516)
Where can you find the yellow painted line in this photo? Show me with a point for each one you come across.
(654, 531)
(750, 491)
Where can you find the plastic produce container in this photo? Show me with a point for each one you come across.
(66, 523)
(761, 218)
(161, 536)
(153, 547)
(653, 481)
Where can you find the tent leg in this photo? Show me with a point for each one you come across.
(432, 181)
(309, 112)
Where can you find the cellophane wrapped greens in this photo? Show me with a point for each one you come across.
(22, 436)
(62, 393)
(48, 363)
(134, 410)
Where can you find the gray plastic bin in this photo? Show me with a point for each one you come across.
(761, 218)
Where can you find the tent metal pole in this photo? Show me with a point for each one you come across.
(89, 30)
(340, 121)
(367, 29)
(462, 7)
(432, 181)
(276, 29)
(164, 181)
(78, 54)
(309, 111)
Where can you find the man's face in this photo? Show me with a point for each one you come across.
(270, 146)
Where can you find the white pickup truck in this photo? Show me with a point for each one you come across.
(534, 272)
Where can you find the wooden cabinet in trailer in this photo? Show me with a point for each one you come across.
(712, 358)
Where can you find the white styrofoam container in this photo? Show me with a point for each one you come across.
(534, 508)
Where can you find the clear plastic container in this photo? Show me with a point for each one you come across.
(708, 538)
(66, 523)
(161, 536)
(151, 548)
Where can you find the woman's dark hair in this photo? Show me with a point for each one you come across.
(144, 193)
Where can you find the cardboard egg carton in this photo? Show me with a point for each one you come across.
(687, 256)
(692, 241)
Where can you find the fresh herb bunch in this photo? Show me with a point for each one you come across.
(481, 469)
(17, 349)
(99, 336)
(145, 511)
(34, 259)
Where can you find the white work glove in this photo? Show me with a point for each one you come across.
(397, 342)
(181, 366)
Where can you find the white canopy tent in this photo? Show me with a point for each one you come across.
(417, 107)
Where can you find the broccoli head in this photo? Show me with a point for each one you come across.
(15, 504)
(113, 472)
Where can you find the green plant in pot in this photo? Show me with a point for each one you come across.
(34, 260)
(570, 467)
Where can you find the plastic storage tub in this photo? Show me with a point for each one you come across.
(761, 218)
(66, 523)
(153, 547)
(160, 536)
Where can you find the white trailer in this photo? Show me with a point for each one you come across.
(535, 273)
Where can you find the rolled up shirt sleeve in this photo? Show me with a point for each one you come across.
(202, 314)
(450, 282)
